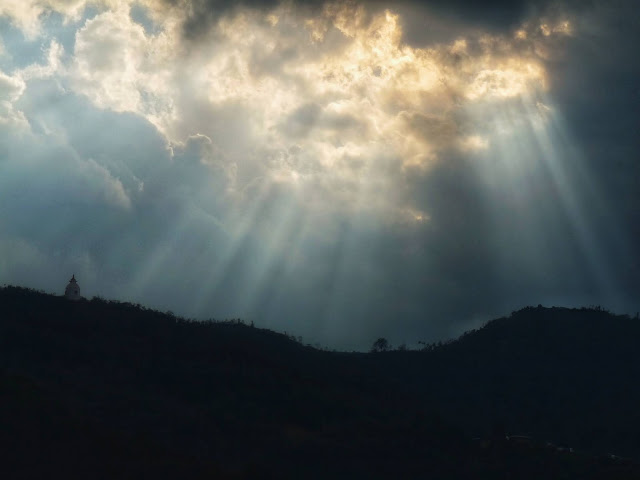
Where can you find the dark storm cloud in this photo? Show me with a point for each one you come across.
(493, 14)
(201, 15)
(437, 21)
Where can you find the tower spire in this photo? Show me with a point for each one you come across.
(72, 292)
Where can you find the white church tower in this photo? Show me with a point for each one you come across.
(72, 292)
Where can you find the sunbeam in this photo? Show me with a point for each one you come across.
(537, 169)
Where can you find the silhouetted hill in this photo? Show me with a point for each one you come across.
(103, 389)
(563, 375)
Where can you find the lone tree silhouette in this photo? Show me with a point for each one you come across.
(380, 345)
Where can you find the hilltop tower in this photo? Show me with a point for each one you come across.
(72, 292)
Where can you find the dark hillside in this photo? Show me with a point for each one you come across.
(232, 396)
(109, 390)
(564, 375)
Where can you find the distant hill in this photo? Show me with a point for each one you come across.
(101, 389)
(563, 375)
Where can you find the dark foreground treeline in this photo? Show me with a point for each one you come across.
(97, 389)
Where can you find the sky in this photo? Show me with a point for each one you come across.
(340, 171)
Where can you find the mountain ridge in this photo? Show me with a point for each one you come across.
(248, 402)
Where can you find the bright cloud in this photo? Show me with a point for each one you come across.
(27, 14)
(320, 92)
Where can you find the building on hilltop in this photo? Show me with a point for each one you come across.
(72, 292)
